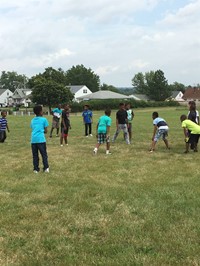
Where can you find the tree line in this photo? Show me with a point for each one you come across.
(52, 86)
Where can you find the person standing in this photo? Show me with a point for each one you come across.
(87, 120)
(130, 117)
(3, 126)
(65, 125)
(57, 112)
(39, 126)
(121, 123)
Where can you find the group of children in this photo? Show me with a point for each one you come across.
(124, 117)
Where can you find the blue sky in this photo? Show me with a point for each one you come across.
(116, 39)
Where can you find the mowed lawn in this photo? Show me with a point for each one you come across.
(128, 208)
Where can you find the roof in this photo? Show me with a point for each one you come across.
(175, 94)
(140, 97)
(104, 95)
(192, 94)
(20, 93)
(75, 88)
(2, 91)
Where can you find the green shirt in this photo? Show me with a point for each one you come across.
(103, 123)
(193, 127)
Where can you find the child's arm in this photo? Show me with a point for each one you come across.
(45, 130)
(107, 131)
(154, 132)
(132, 115)
(7, 128)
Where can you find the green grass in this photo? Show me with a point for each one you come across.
(129, 208)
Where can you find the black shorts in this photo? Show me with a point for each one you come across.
(194, 138)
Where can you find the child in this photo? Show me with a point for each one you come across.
(3, 126)
(57, 112)
(87, 120)
(65, 125)
(130, 115)
(39, 126)
(103, 131)
(194, 133)
(121, 123)
(160, 130)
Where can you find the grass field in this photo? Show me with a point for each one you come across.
(128, 208)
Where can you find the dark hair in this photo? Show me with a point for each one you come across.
(37, 109)
(183, 117)
(192, 106)
(108, 111)
(121, 104)
(2, 112)
(155, 114)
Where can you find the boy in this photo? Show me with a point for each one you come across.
(87, 120)
(65, 125)
(194, 133)
(3, 126)
(103, 131)
(121, 123)
(39, 126)
(130, 115)
(57, 112)
(160, 130)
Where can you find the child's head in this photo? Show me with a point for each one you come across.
(108, 112)
(3, 113)
(66, 107)
(183, 117)
(192, 106)
(86, 107)
(121, 106)
(38, 110)
(155, 115)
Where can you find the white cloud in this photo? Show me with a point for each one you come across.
(116, 39)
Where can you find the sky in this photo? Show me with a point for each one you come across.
(116, 39)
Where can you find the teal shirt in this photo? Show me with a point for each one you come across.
(103, 122)
(38, 125)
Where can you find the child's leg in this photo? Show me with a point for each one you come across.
(34, 147)
(61, 136)
(65, 138)
(166, 143)
(126, 134)
(116, 133)
(43, 152)
(153, 145)
(90, 128)
(86, 129)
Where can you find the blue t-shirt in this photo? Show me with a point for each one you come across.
(87, 116)
(103, 122)
(3, 124)
(38, 125)
(160, 123)
(57, 112)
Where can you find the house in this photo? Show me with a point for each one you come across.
(79, 91)
(192, 94)
(176, 96)
(20, 97)
(4, 97)
(102, 95)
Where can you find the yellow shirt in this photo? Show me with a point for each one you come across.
(193, 127)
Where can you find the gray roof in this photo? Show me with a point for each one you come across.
(175, 93)
(75, 88)
(104, 95)
(2, 91)
(140, 97)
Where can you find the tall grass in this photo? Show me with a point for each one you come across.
(129, 208)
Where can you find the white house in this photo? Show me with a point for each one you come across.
(4, 97)
(20, 96)
(176, 96)
(79, 91)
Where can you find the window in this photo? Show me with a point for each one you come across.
(85, 91)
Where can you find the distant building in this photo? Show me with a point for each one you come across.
(176, 96)
(79, 91)
(20, 97)
(140, 97)
(192, 94)
(4, 97)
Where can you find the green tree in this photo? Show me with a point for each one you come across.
(158, 88)
(139, 83)
(80, 75)
(11, 80)
(176, 86)
(106, 87)
(49, 88)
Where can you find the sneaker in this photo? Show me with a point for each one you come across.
(35, 171)
(57, 135)
(61, 145)
(87, 136)
(95, 151)
(108, 153)
(91, 135)
(50, 136)
(46, 170)
(151, 150)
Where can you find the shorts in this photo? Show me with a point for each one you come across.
(55, 122)
(101, 138)
(193, 138)
(64, 132)
(161, 133)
